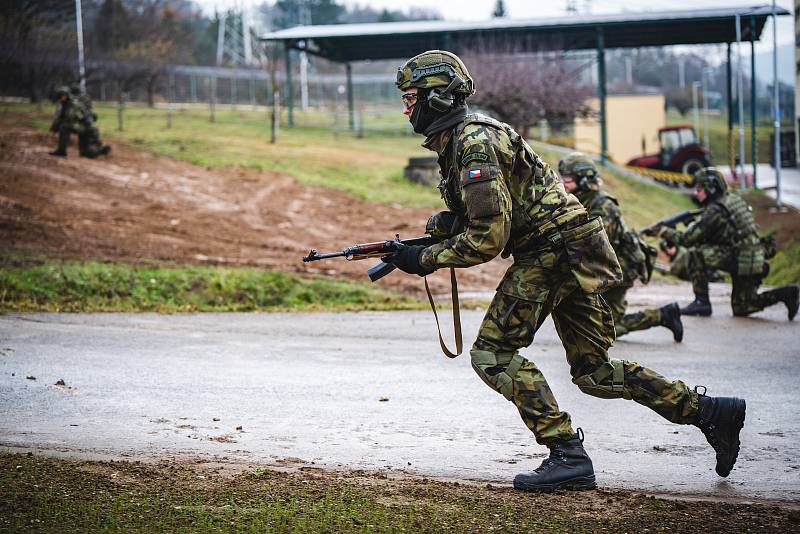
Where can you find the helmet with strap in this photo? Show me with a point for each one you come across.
(581, 167)
(442, 73)
(712, 180)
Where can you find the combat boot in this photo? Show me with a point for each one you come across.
(567, 468)
(721, 419)
(699, 306)
(59, 153)
(105, 150)
(671, 318)
(789, 295)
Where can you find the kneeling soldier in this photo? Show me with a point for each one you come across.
(726, 238)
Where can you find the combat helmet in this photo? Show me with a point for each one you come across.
(62, 91)
(436, 69)
(581, 167)
(712, 180)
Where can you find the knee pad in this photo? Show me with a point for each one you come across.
(605, 382)
(497, 369)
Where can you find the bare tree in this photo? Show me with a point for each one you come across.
(521, 88)
(36, 47)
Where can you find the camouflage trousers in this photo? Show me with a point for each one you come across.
(745, 298)
(88, 139)
(584, 323)
(624, 323)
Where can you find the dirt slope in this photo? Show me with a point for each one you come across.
(134, 206)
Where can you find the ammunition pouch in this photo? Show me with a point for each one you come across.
(605, 382)
(637, 258)
(750, 259)
(591, 257)
(497, 370)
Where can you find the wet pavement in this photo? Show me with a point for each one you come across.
(372, 391)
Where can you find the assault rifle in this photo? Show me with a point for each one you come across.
(378, 249)
(672, 221)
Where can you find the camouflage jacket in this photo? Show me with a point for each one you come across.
(601, 204)
(72, 113)
(719, 225)
(509, 197)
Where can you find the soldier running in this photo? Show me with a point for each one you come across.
(513, 203)
(581, 178)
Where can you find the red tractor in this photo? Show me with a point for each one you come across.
(680, 152)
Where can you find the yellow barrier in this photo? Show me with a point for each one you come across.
(661, 175)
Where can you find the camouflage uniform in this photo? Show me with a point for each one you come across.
(601, 204)
(679, 267)
(726, 238)
(514, 203)
(72, 116)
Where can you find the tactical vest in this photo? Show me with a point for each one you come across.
(543, 214)
(749, 249)
(527, 166)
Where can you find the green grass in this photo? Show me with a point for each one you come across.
(91, 286)
(39, 494)
(784, 268)
(641, 203)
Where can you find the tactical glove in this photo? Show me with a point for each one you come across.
(651, 231)
(406, 258)
(444, 224)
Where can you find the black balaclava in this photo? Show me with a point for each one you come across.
(422, 116)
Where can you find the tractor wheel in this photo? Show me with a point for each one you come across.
(693, 164)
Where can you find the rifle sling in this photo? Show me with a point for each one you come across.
(456, 316)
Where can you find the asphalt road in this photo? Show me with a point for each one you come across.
(372, 391)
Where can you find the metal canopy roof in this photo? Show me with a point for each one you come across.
(393, 40)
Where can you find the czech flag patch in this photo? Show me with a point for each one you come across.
(475, 173)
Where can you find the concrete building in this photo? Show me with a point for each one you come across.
(632, 121)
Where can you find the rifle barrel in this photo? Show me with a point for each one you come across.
(314, 255)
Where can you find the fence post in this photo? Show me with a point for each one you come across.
(170, 98)
(212, 98)
(120, 109)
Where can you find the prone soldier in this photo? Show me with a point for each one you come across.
(512, 203)
(726, 238)
(581, 178)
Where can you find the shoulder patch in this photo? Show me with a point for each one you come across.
(479, 157)
(479, 173)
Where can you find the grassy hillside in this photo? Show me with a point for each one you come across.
(370, 167)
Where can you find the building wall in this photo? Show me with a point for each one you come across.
(631, 119)
(797, 79)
